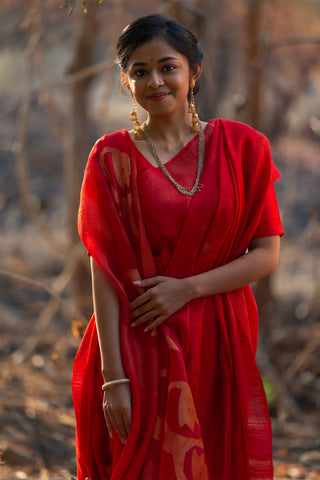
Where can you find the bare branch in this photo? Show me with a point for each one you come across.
(23, 353)
(57, 122)
(286, 403)
(52, 306)
(301, 360)
(78, 76)
(292, 41)
(60, 283)
(20, 152)
(30, 281)
(70, 5)
(260, 61)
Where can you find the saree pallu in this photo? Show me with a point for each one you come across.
(199, 408)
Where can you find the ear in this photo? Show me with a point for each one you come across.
(196, 72)
(124, 80)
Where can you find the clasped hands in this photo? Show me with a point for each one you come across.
(164, 296)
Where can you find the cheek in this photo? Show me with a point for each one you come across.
(136, 87)
(181, 85)
(183, 89)
(133, 83)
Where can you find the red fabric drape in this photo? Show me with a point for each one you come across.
(199, 409)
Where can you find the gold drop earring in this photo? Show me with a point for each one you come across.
(192, 109)
(138, 133)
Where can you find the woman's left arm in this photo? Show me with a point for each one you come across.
(166, 295)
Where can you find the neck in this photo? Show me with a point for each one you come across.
(170, 128)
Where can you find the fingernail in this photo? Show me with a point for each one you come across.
(137, 282)
(146, 330)
(133, 324)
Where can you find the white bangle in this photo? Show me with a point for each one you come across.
(115, 382)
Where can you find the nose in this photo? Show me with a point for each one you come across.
(155, 79)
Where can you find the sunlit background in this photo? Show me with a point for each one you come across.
(59, 92)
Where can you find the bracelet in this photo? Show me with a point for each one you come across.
(115, 382)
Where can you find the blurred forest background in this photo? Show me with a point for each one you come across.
(59, 91)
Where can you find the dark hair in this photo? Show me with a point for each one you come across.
(146, 28)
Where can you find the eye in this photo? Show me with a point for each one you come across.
(140, 73)
(169, 68)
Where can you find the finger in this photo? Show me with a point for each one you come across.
(155, 324)
(127, 420)
(146, 317)
(109, 418)
(149, 282)
(125, 431)
(137, 302)
(125, 424)
(122, 432)
(143, 309)
(117, 423)
(108, 421)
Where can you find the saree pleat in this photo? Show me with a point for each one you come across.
(199, 408)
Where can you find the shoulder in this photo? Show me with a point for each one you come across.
(237, 131)
(111, 149)
(117, 140)
(248, 149)
(244, 143)
(111, 155)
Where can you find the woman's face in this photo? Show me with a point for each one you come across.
(159, 77)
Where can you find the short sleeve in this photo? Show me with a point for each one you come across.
(270, 222)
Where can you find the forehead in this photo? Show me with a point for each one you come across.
(155, 49)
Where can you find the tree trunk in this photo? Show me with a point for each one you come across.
(253, 45)
(263, 288)
(79, 134)
(203, 19)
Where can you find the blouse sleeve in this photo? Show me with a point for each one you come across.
(270, 222)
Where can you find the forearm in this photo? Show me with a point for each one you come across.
(107, 312)
(260, 261)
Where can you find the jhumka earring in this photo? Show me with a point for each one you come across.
(192, 109)
(138, 133)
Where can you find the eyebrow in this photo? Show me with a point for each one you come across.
(162, 60)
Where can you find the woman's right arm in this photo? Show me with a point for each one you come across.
(117, 398)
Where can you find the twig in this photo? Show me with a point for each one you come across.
(291, 42)
(301, 360)
(31, 281)
(260, 62)
(21, 162)
(59, 283)
(52, 306)
(23, 353)
(74, 77)
(58, 125)
(287, 403)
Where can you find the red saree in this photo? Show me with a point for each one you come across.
(199, 408)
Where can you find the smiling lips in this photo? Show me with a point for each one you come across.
(157, 97)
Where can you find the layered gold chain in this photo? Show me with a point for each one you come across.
(190, 191)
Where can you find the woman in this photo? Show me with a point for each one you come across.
(178, 216)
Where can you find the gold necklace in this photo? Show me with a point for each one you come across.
(190, 191)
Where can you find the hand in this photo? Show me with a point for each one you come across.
(165, 297)
(117, 410)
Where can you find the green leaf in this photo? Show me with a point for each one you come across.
(269, 390)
